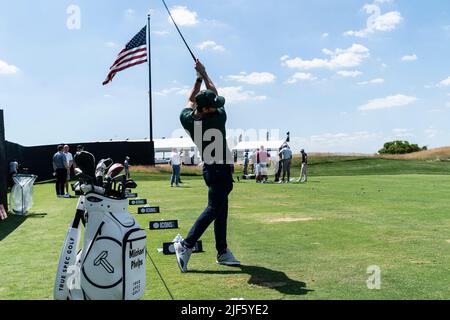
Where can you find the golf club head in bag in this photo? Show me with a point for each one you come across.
(85, 161)
(130, 184)
(101, 170)
(115, 170)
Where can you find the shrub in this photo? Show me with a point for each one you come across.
(400, 147)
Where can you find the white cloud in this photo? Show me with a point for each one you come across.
(342, 139)
(444, 83)
(7, 69)
(173, 91)
(111, 44)
(254, 78)
(130, 13)
(402, 133)
(377, 21)
(300, 76)
(343, 142)
(349, 74)
(238, 94)
(388, 102)
(284, 58)
(211, 45)
(436, 110)
(161, 32)
(373, 81)
(183, 16)
(325, 35)
(431, 132)
(340, 58)
(412, 57)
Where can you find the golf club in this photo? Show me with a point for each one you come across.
(176, 26)
(102, 166)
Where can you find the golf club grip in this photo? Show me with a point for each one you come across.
(178, 29)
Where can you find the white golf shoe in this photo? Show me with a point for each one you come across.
(183, 255)
(228, 259)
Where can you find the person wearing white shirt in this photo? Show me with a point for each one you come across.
(69, 161)
(175, 161)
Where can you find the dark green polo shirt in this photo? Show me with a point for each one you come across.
(216, 120)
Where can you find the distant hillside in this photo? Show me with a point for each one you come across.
(431, 162)
(432, 154)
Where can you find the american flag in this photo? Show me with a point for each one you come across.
(134, 53)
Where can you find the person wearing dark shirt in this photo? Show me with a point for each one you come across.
(286, 155)
(304, 171)
(60, 168)
(246, 160)
(13, 170)
(204, 119)
(126, 165)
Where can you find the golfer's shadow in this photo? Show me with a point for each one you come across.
(14, 221)
(267, 278)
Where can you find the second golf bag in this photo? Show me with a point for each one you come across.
(111, 264)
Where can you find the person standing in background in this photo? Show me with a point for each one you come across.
(286, 155)
(263, 159)
(126, 165)
(175, 162)
(13, 170)
(60, 171)
(69, 160)
(279, 166)
(254, 159)
(246, 160)
(304, 172)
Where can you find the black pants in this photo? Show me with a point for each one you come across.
(287, 169)
(278, 173)
(61, 178)
(219, 180)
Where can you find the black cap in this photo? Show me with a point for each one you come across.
(208, 99)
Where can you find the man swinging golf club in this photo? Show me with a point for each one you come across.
(204, 119)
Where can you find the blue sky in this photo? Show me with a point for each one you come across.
(341, 76)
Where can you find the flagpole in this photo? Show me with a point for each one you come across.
(150, 89)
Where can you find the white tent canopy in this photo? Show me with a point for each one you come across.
(167, 145)
(253, 145)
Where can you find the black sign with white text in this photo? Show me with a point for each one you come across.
(137, 202)
(148, 210)
(168, 248)
(163, 225)
(131, 195)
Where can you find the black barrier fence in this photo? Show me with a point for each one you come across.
(3, 165)
(38, 159)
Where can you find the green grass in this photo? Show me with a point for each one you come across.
(344, 224)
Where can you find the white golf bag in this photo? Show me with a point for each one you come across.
(111, 264)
